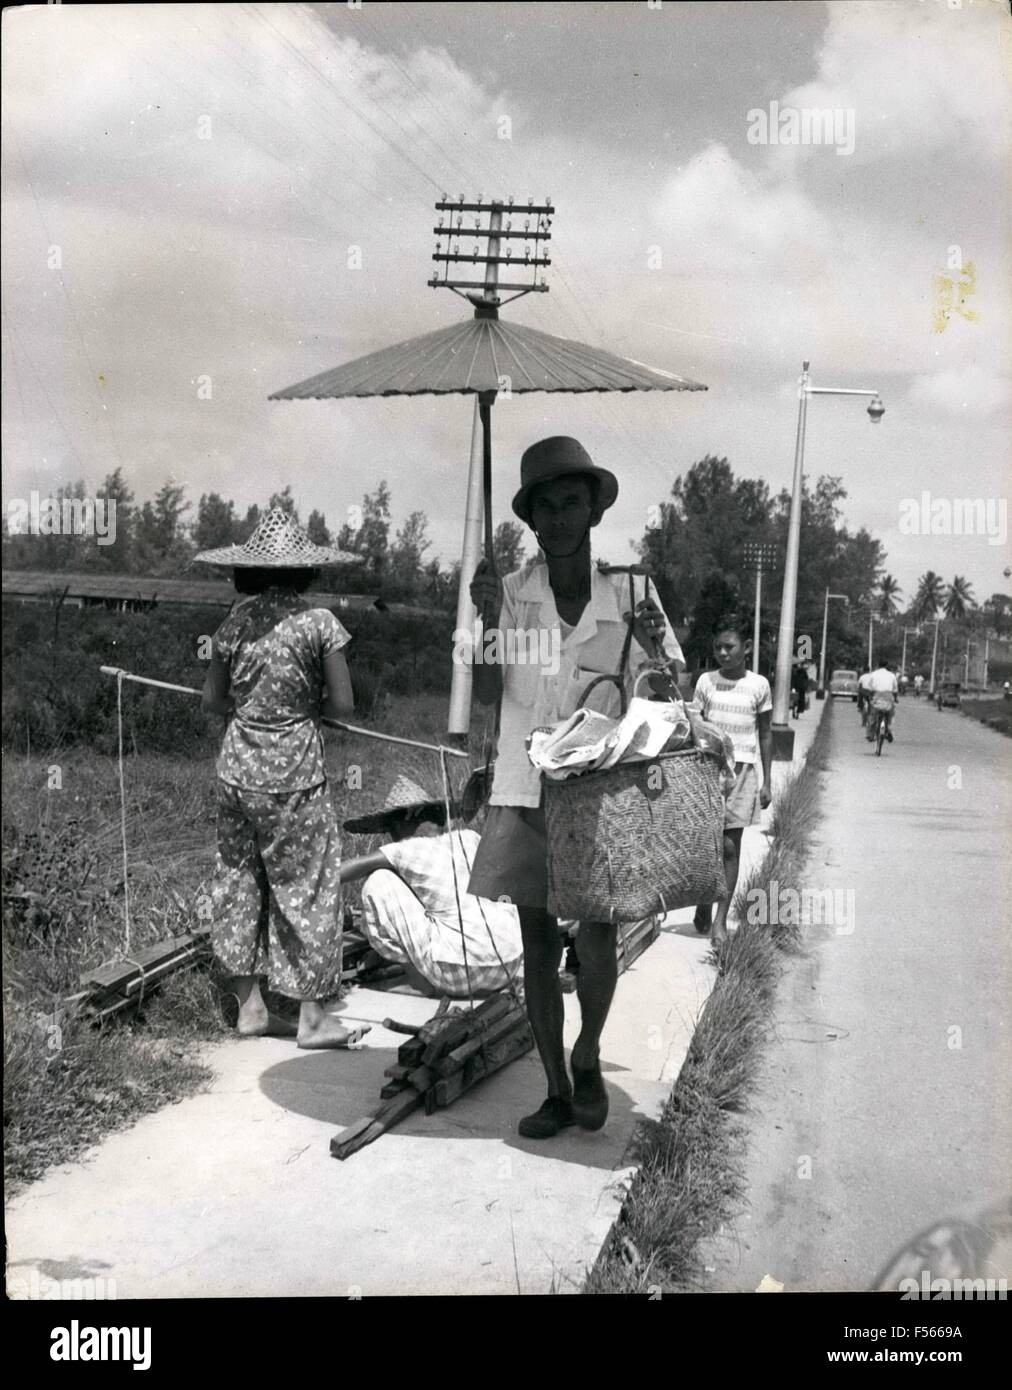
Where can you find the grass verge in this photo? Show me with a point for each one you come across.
(66, 1084)
(996, 714)
(690, 1161)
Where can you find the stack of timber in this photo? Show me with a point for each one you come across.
(633, 938)
(441, 1060)
(119, 986)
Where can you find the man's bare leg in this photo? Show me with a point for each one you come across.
(595, 988)
(732, 856)
(542, 956)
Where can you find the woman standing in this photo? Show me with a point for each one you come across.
(276, 667)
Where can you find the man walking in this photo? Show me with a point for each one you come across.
(581, 615)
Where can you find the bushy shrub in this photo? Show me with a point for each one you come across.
(54, 694)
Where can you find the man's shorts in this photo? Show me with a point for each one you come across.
(742, 807)
(512, 858)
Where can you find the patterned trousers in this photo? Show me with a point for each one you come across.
(277, 889)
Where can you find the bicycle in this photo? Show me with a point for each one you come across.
(881, 717)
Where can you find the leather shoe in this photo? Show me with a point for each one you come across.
(554, 1114)
(590, 1099)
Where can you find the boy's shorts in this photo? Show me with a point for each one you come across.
(512, 858)
(742, 807)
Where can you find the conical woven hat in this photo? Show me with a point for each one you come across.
(404, 795)
(279, 542)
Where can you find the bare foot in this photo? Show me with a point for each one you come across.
(254, 1018)
(318, 1029)
(331, 1034)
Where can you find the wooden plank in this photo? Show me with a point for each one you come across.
(111, 977)
(454, 1060)
(459, 1030)
(385, 1118)
(409, 1054)
(514, 1044)
(421, 1078)
(392, 1088)
(397, 1072)
(393, 1026)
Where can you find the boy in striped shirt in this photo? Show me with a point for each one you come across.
(739, 702)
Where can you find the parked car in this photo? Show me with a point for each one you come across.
(948, 694)
(843, 684)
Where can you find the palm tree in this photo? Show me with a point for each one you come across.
(888, 589)
(958, 597)
(928, 598)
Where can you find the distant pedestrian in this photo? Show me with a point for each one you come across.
(739, 702)
(276, 667)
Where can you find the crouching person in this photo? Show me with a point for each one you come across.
(416, 909)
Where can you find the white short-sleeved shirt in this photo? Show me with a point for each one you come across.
(426, 863)
(882, 682)
(541, 691)
(734, 706)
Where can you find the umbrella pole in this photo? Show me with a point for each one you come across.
(459, 721)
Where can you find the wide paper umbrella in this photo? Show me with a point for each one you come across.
(482, 356)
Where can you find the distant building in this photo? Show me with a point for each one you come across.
(133, 593)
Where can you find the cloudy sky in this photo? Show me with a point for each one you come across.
(183, 183)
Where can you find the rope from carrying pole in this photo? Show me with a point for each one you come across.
(510, 978)
(122, 814)
(123, 838)
(331, 723)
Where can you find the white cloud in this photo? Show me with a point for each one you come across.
(919, 77)
(971, 390)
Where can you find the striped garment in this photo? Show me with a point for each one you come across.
(734, 706)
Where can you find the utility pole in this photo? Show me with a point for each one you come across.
(487, 256)
(820, 693)
(903, 660)
(759, 556)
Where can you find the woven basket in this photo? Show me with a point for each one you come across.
(635, 839)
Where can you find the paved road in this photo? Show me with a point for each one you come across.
(884, 1103)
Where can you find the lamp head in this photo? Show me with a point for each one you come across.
(876, 410)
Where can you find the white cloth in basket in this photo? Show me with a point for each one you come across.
(589, 742)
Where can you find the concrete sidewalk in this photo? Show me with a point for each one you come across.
(234, 1193)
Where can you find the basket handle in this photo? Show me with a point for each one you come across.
(618, 680)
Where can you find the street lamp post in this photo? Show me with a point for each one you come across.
(759, 556)
(783, 734)
(933, 622)
(820, 693)
(871, 639)
(903, 658)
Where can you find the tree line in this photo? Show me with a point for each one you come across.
(160, 537)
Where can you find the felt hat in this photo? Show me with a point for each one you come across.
(279, 542)
(554, 458)
(405, 795)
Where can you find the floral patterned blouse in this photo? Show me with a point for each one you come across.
(274, 646)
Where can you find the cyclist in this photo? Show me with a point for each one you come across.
(863, 696)
(883, 692)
